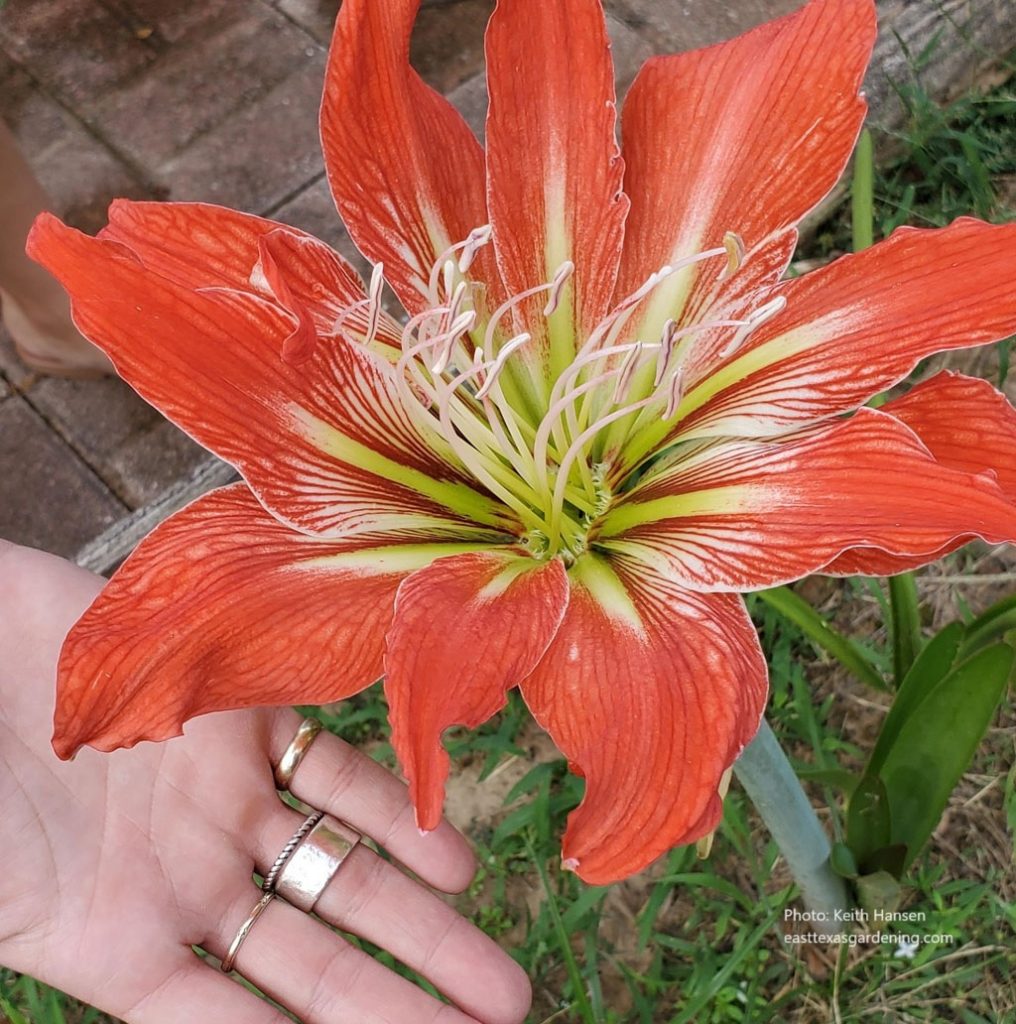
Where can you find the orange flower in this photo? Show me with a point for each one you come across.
(606, 416)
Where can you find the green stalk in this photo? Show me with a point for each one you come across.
(775, 790)
(796, 610)
(906, 623)
(906, 619)
(862, 193)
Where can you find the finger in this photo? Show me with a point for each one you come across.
(336, 778)
(375, 900)
(305, 967)
(198, 991)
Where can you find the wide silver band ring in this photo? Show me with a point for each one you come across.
(295, 752)
(307, 871)
(268, 885)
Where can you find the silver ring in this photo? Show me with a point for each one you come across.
(268, 885)
(234, 947)
(294, 753)
(307, 871)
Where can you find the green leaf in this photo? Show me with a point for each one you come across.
(796, 610)
(868, 823)
(842, 861)
(936, 742)
(838, 778)
(928, 670)
(890, 858)
(990, 626)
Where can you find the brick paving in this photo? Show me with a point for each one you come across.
(214, 100)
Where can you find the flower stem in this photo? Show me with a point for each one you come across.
(863, 193)
(906, 623)
(773, 787)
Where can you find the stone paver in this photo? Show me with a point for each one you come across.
(674, 25)
(316, 17)
(261, 155)
(100, 53)
(48, 500)
(153, 117)
(164, 22)
(136, 452)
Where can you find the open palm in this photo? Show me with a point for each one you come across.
(116, 865)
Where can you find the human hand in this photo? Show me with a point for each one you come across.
(115, 865)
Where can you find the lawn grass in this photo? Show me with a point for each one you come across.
(705, 941)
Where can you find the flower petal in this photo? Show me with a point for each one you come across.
(224, 607)
(327, 446)
(744, 137)
(967, 425)
(652, 692)
(554, 167)
(466, 630)
(406, 172)
(201, 245)
(858, 326)
(741, 515)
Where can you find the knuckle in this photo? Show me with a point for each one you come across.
(365, 883)
(332, 985)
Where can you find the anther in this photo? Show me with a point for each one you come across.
(557, 284)
(676, 393)
(767, 312)
(734, 245)
(476, 240)
(377, 283)
(667, 338)
(498, 364)
(627, 371)
(463, 323)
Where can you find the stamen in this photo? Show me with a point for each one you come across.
(768, 311)
(576, 449)
(734, 245)
(448, 275)
(752, 323)
(477, 239)
(627, 372)
(606, 332)
(460, 326)
(348, 313)
(667, 339)
(457, 297)
(494, 369)
(561, 276)
(377, 283)
(676, 393)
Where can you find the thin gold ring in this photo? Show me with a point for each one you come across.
(295, 752)
(234, 947)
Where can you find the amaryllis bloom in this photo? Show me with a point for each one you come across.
(604, 417)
